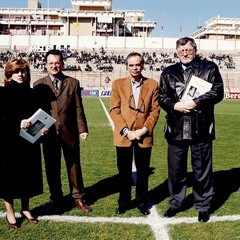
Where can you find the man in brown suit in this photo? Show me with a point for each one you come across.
(61, 97)
(134, 110)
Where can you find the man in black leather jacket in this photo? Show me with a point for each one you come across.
(190, 124)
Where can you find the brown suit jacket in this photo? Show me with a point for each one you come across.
(66, 107)
(123, 116)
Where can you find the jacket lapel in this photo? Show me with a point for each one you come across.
(48, 81)
(127, 88)
(63, 84)
(143, 92)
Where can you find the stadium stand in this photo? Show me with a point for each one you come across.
(92, 67)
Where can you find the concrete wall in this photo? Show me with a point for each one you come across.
(80, 42)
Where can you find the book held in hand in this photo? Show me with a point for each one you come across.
(196, 87)
(39, 120)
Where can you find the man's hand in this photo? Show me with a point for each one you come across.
(137, 134)
(185, 106)
(190, 104)
(131, 135)
(83, 136)
(140, 132)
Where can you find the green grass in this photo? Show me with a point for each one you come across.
(100, 177)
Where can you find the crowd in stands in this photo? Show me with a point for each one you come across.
(222, 60)
(105, 60)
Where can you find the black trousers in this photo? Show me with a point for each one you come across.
(124, 163)
(53, 146)
(201, 160)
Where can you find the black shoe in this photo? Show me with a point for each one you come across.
(203, 216)
(171, 212)
(145, 210)
(53, 207)
(121, 210)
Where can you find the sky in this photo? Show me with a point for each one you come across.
(175, 18)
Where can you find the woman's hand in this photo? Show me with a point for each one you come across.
(25, 123)
(44, 131)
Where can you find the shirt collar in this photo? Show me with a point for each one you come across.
(189, 65)
(59, 77)
(136, 83)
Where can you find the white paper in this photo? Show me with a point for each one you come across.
(196, 87)
(39, 120)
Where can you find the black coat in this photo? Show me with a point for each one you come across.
(201, 126)
(20, 161)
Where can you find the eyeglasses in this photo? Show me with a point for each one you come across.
(54, 63)
(131, 104)
(188, 51)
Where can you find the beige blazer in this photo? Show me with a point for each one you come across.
(123, 115)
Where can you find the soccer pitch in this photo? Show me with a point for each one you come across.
(100, 178)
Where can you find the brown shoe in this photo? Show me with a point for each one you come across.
(80, 204)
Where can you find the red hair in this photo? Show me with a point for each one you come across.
(14, 65)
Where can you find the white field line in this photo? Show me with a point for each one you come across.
(223, 113)
(158, 224)
(152, 219)
(107, 114)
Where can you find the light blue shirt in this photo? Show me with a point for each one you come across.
(136, 86)
(58, 82)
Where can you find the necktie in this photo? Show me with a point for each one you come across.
(185, 75)
(55, 84)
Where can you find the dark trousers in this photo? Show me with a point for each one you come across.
(52, 148)
(201, 160)
(124, 163)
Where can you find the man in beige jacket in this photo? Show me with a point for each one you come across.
(134, 110)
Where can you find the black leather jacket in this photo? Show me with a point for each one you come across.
(198, 125)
